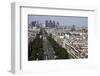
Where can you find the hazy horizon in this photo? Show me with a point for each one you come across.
(63, 20)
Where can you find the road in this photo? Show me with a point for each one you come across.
(49, 53)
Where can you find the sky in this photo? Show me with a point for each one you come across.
(63, 20)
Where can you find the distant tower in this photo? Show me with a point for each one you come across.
(73, 28)
(43, 25)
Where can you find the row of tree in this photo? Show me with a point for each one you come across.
(60, 52)
(36, 52)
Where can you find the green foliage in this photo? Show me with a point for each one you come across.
(60, 52)
(37, 51)
(37, 48)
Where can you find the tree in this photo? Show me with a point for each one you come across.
(36, 48)
(60, 52)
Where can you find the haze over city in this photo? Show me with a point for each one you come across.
(63, 20)
(57, 37)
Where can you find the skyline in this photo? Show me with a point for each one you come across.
(63, 20)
